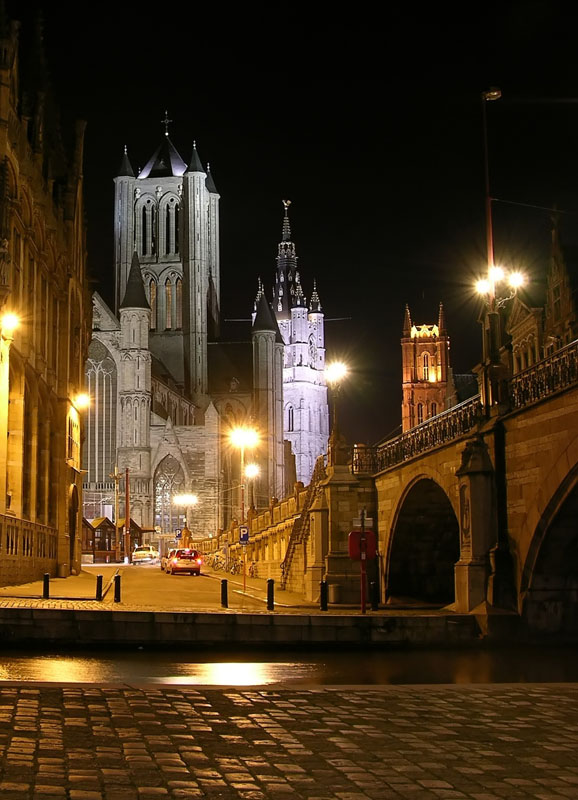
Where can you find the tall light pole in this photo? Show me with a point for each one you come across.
(243, 438)
(186, 500)
(334, 376)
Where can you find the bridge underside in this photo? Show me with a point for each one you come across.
(425, 547)
(551, 602)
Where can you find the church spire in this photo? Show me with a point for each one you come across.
(195, 164)
(125, 170)
(135, 295)
(315, 304)
(286, 280)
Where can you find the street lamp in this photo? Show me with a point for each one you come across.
(187, 500)
(251, 472)
(496, 288)
(243, 438)
(334, 375)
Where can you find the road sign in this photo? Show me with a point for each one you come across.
(244, 534)
(178, 533)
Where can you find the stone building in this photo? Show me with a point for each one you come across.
(166, 385)
(45, 319)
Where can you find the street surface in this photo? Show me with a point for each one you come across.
(418, 743)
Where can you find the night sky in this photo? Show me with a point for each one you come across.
(371, 127)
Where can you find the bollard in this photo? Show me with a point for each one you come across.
(374, 595)
(323, 594)
(270, 595)
(99, 587)
(46, 586)
(117, 588)
(224, 593)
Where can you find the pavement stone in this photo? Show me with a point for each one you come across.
(478, 742)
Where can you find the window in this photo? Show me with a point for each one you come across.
(168, 305)
(290, 418)
(419, 413)
(425, 361)
(179, 304)
(153, 303)
(434, 409)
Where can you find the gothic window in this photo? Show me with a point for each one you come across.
(168, 229)
(434, 409)
(153, 303)
(169, 480)
(153, 230)
(177, 231)
(290, 418)
(168, 305)
(419, 413)
(179, 304)
(144, 239)
(425, 361)
(99, 451)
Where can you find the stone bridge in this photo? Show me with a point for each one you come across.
(476, 509)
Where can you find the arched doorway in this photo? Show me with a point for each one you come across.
(425, 547)
(551, 601)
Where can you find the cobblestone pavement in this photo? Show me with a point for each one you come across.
(419, 743)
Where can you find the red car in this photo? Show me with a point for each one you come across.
(184, 560)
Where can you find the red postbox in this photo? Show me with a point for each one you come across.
(362, 545)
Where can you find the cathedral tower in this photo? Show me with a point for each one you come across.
(425, 353)
(305, 412)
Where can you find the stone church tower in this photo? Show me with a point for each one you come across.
(426, 370)
(305, 407)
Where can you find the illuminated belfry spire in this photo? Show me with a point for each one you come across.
(315, 304)
(285, 291)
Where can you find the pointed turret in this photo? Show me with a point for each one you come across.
(125, 170)
(135, 296)
(284, 290)
(209, 182)
(406, 321)
(195, 164)
(315, 304)
(165, 162)
(442, 321)
(263, 315)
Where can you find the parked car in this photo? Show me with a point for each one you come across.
(167, 556)
(184, 560)
(145, 554)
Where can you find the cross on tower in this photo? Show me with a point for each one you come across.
(165, 122)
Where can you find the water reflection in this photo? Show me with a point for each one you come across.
(352, 667)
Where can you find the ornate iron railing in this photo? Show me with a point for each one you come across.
(556, 372)
(438, 430)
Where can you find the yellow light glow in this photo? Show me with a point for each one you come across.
(432, 377)
(10, 322)
(244, 437)
(496, 274)
(516, 279)
(82, 400)
(186, 499)
(483, 286)
(335, 372)
(251, 471)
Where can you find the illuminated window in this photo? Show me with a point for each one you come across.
(168, 305)
(73, 442)
(419, 413)
(153, 303)
(179, 304)
(425, 361)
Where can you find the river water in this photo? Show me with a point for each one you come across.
(522, 664)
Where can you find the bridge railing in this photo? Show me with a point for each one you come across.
(436, 431)
(546, 377)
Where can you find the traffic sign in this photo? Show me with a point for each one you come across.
(244, 534)
(178, 533)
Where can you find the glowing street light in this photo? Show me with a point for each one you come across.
(243, 438)
(251, 472)
(334, 375)
(81, 401)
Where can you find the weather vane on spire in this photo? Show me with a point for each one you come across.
(286, 203)
(165, 122)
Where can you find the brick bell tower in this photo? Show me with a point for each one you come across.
(425, 353)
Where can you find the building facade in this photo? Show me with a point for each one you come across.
(166, 387)
(45, 321)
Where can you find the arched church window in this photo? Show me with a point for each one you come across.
(153, 230)
(169, 480)
(153, 303)
(168, 305)
(425, 362)
(179, 304)
(177, 230)
(168, 229)
(290, 418)
(419, 413)
(144, 236)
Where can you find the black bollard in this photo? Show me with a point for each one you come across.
(323, 595)
(270, 595)
(99, 587)
(117, 588)
(46, 586)
(374, 595)
(224, 593)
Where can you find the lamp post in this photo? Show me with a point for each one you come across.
(187, 500)
(492, 286)
(334, 375)
(251, 472)
(243, 438)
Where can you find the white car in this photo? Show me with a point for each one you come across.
(145, 554)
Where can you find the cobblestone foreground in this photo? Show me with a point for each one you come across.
(419, 743)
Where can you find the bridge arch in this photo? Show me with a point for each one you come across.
(549, 581)
(424, 545)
